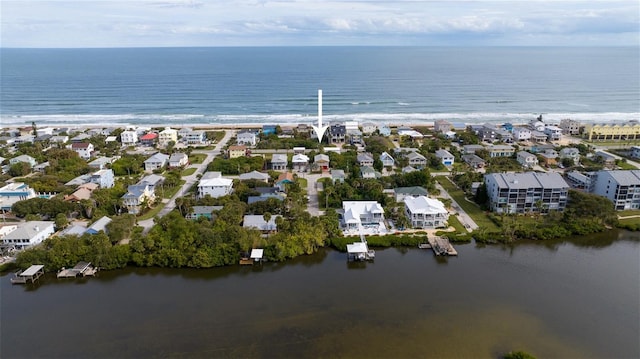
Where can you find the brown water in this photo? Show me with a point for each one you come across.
(575, 299)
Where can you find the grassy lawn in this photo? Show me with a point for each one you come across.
(626, 166)
(170, 192)
(196, 158)
(152, 213)
(472, 209)
(189, 171)
(455, 223)
(216, 136)
(303, 183)
(629, 212)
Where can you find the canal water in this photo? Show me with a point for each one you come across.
(573, 299)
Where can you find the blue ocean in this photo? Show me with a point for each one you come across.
(278, 85)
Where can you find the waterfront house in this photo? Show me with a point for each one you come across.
(526, 192)
(570, 127)
(526, 159)
(486, 132)
(258, 222)
(157, 161)
(237, 151)
(554, 133)
(246, 138)
(23, 158)
(166, 136)
(137, 195)
(337, 133)
(28, 234)
(129, 138)
(446, 158)
(362, 213)
(474, 161)
(384, 130)
(300, 162)
(406, 131)
(442, 126)
(321, 162)
(14, 192)
(214, 185)
(521, 134)
(369, 128)
(83, 149)
(364, 159)
(401, 193)
(103, 178)
(178, 160)
(202, 211)
(149, 139)
(279, 162)
(387, 160)
(99, 225)
(197, 137)
(417, 160)
(620, 187)
(425, 213)
(303, 128)
(254, 175)
(612, 131)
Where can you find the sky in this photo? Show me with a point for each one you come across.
(174, 23)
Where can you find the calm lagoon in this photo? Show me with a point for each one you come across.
(573, 299)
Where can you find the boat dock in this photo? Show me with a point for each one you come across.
(441, 246)
(30, 274)
(81, 269)
(359, 251)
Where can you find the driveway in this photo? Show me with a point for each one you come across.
(464, 218)
(313, 207)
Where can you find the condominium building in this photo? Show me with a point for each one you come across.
(526, 192)
(621, 187)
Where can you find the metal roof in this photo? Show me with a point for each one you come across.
(32, 270)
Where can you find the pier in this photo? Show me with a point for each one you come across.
(30, 274)
(441, 246)
(81, 269)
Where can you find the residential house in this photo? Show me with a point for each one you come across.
(129, 138)
(554, 133)
(202, 211)
(258, 222)
(362, 213)
(321, 162)
(153, 181)
(579, 180)
(536, 125)
(103, 178)
(474, 161)
(538, 136)
(507, 126)
(23, 158)
(59, 139)
(149, 139)
(526, 192)
(410, 132)
(337, 176)
(521, 134)
(408, 169)
(620, 187)
(83, 149)
(83, 192)
(303, 128)
(264, 197)
(384, 130)
(487, 133)
(44, 131)
(571, 153)
(184, 131)
(41, 167)
(570, 127)
(387, 160)
(214, 185)
(446, 158)
(471, 149)
(99, 225)
(81, 137)
(608, 160)
(28, 234)
(526, 159)
(442, 126)
(237, 151)
(500, 151)
(42, 138)
(299, 150)
(157, 161)
(300, 162)
(178, 160)
(102, 162)
(369, 172)
(504, 135)
(254, 175)
(269, 129)
(364, 159)
(369, 128)
(417, 160)
(197, 137)
(14, 192)
(635, 151)
(424, 212)
(284, 179)
(337, 133)
(136, 197)
(246, 138)
(401, 193)
(279, 162)
(167, 135)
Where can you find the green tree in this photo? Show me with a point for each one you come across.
(19, 169)
(61, 221)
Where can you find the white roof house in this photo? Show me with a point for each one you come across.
(156, 161)
(257, 222)
(29, 233)
(214, 185)
(357, 213)
(425, 212)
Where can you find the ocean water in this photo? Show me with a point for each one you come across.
(181, 86)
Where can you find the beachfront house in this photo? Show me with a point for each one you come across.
(300, 162)
(570, 127)
(166, 136)
(214, 185)
(83, 149)
(157, 161)
(138, 196)
(538, 136)
(279, 162)
(442, 126)
(521, 134)
(526, 159)
(384, 130)
(196, 137)
(362, 213)
(103, 178)
(247, 138)
(446, 158)
(28, 234)
(258, 222)
(526, 192)
(129, 138)
(554, 133)
(337, 133)
(369, 128)
(14, 192)
(387, 160)
(425, 213)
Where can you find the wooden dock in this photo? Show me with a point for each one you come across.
(81, 269)
(441, 246)
(30, 274)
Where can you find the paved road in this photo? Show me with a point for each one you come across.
(464, 218)
(190, 180)
(313, 207)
